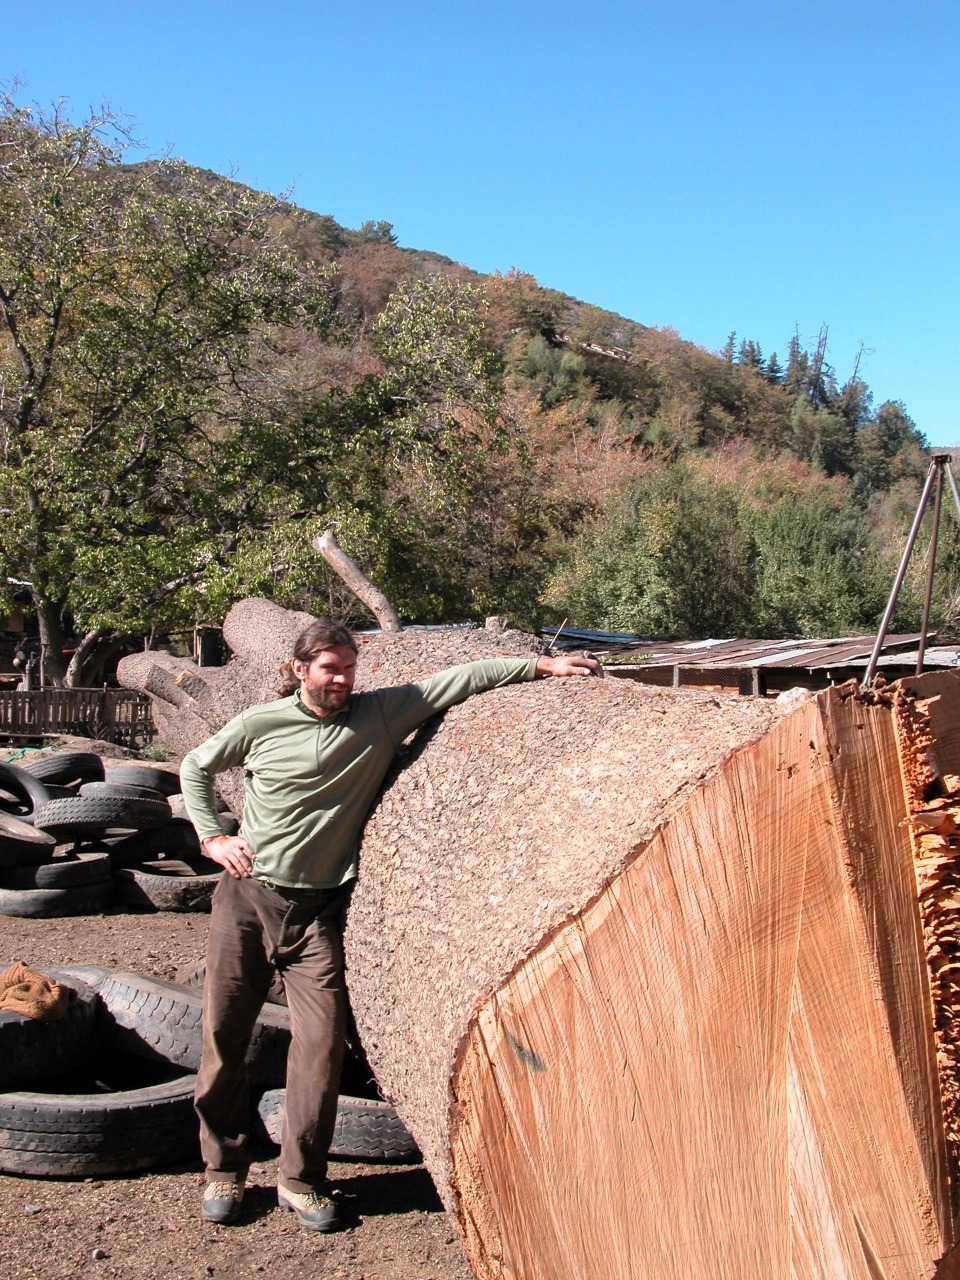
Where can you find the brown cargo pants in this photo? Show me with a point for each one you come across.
(255, 928)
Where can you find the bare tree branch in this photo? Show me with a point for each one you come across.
(357, 581)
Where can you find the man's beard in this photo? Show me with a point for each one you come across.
(333, 700)
(325, 699)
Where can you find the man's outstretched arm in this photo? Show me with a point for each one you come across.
(569, 664)
(406, 707)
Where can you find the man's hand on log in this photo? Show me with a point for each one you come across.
(569, 664)
(232, 852)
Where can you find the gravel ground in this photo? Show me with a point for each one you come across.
(148, 1226)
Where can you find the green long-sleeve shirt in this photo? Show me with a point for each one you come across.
(310, 781)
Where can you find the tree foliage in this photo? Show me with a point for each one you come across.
(128, 301)
(668, 557)
(685, 553)
(196, 378)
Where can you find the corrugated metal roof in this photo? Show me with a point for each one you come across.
(819, 658)
(791, 652)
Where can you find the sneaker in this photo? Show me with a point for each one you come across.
(316, 1211)
(222, 1201)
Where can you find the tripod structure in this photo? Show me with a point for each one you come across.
(940, 465)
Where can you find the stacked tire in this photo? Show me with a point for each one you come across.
(72, 1106)
(108, 1089)
(74, 841)
(34, 880)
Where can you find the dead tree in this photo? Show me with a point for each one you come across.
(361, 586)
(661, 981)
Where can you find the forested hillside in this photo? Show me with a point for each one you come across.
(197, 379)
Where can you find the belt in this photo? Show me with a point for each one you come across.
(294, 893)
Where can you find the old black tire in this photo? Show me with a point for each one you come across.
(21, 843)
(90, 975)
(79, 818)
(124, 790)
(176, 839)
(66, 872)
(167, 885)
(160, 1021)
(369, 1130)
(178, 805)
(66, 767)
(31, 1050)
(20, 792)
(144, 775)
(79, 900)
(365, 1130)
(95, 1135)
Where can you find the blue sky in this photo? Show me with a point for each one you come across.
(707, 166)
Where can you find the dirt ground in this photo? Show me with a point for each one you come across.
(148, 1227)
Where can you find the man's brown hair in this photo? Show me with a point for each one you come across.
(321, 634)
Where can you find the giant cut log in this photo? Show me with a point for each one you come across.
(664, 983)
(651, 1012)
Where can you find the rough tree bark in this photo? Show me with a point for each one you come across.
(53, 666)
(646, 973)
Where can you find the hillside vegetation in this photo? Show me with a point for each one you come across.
(198, 378)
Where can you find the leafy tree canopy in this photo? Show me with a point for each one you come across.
(195, 378)
(127, 307)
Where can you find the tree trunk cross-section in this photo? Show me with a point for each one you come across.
(663, 983)
(721, 1060)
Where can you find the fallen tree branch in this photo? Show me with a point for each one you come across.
(357, 581)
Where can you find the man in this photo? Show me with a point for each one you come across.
(314, 762)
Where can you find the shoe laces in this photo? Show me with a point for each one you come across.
(223, 1191)
(317, 1200)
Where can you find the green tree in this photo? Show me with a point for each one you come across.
(750, 356)
(381, 232)
(131, 303)
(822, 438)
(558, 375)
(818, 571)
(890, 447)
(439, 504)
(798, 365)
(668, 557)
(424, 475)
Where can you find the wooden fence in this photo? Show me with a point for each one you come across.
(113, 715)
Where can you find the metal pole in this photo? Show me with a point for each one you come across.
(931, 561)
(948, 467)
(901, 573)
